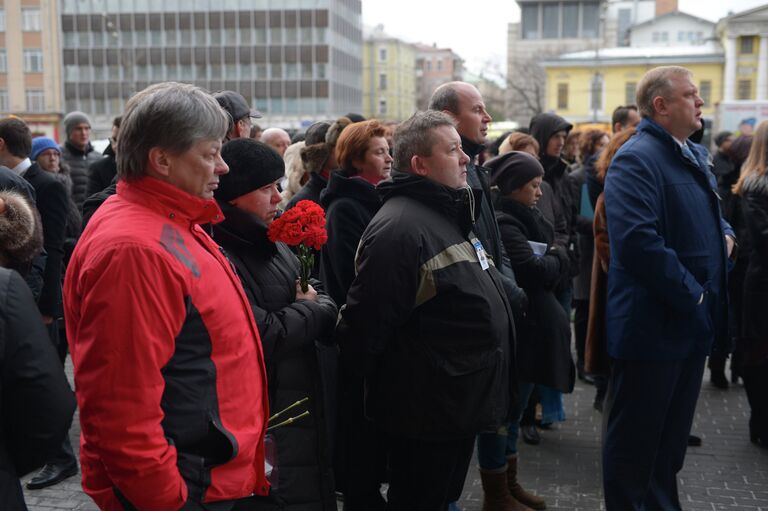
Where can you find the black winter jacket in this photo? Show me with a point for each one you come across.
(487, 230)
(349, 204)
(544, 336)
(289, 330)
(310, 191)
(36, 403)
(53, 205)
(101, 172)
(755, 319)
(78, 162)
(425, 323)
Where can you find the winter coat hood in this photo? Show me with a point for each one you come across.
(542, 127)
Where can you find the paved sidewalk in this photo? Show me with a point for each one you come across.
(726, 473)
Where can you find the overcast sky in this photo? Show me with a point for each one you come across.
(479, 36)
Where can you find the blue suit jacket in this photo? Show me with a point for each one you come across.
(667, 249)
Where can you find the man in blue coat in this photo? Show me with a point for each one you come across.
(666, 292)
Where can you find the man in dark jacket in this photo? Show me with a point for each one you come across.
(36, 404)
(463, 102)
(78, 153)
(427, 320)
(101, 172)
(52, 203)
(666, 292)
(290, 322)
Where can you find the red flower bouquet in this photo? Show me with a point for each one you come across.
(304, 226)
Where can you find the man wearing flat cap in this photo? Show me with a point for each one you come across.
(239, 112)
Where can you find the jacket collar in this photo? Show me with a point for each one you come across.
(472, 149)
(170, 201)
(654, 129)
(242, 229)
(343, 184)
(76, 150)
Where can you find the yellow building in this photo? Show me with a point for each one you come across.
(744, 35)
(585, 87)
(30, 64)
(389, 77)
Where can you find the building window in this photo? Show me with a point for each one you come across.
(382, 54)
(383, 81)
(30, 20)
(747, 45)
(530, 21)
(596, 93)
(3, 60)
(383, 106)
(3, 100)
(625, 21)
(680, 36)
(33, 61)
(35, 101)
(590, 19)
(745, 89)
(664, 37)
(630, 88)
(2, 29)
(562, 96)
(655, 37)
(705, 91)
(439, 64)
(429, 65)
(550, 21)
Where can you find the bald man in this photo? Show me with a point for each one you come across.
(278, 139)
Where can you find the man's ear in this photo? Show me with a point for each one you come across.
(158, 161)
(417, 166)
(660, 105)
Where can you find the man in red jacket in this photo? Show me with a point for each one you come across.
(168, 363)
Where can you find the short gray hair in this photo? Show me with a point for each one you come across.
(170, 115)
(445, 98)
(415, 136)
(654, 83)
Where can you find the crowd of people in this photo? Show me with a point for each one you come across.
(437, 320)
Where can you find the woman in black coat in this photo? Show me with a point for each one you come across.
(543, 337)
(36, 403)
(350, 201)
(292, 325)
(753, 188)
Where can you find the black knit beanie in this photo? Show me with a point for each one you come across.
(512, 170)
(252, 164)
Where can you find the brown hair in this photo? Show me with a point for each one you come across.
(589, 141)
(518, 141)
(353, 142)
(757, 161)
(604, 161)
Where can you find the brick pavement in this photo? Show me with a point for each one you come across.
(726, 473)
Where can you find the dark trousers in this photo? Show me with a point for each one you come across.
(64, 455)
(647, 419)
(580, 321)
(427, 476)
(756, 385)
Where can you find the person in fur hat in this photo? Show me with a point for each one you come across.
(37, 402)
(319, 158)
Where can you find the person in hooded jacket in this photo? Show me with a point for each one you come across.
(290, 322)
(36, 403)
(427, 321)
(350, 201)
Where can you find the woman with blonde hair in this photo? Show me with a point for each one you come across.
(752, 186)
(519, 141)
(295, 173)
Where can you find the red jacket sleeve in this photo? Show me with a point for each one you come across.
(128, 307)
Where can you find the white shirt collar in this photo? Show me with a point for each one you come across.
(22, 167)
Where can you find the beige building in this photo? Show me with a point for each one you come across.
(30, 64)
(389, 77)
(744, 36)
(435, 66)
